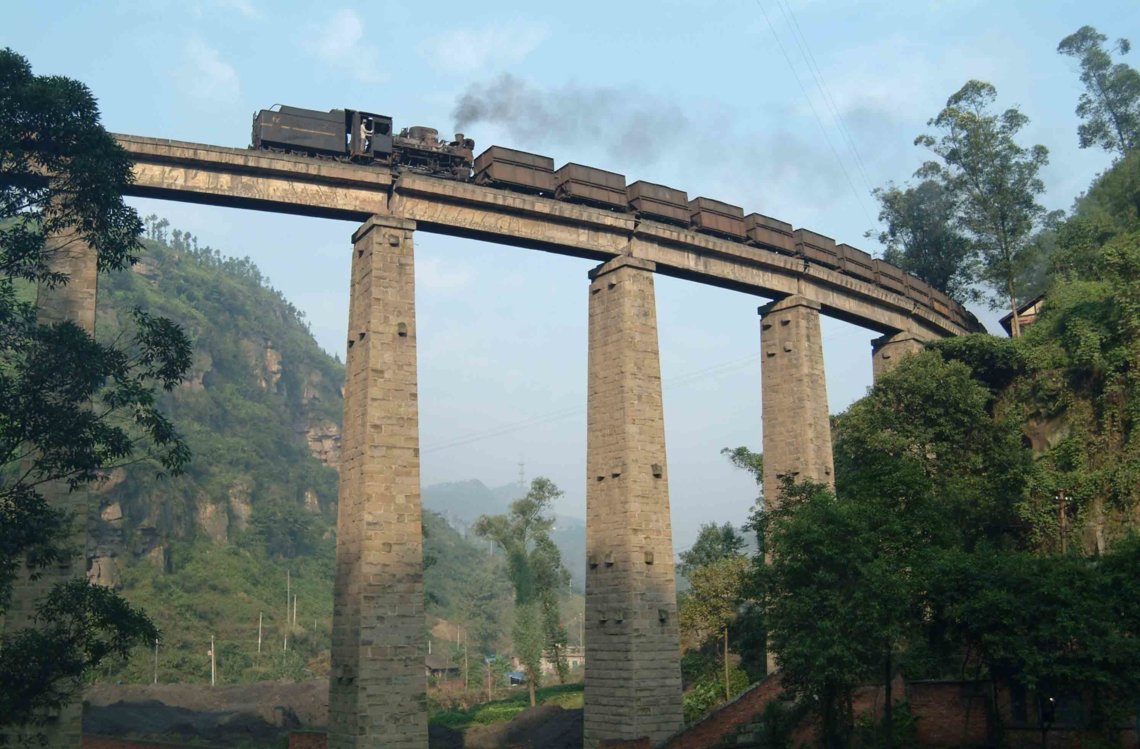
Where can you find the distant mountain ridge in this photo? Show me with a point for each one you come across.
(462, 502)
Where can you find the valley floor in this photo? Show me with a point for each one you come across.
(263, 714)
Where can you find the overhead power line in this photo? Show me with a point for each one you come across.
(815, 113)
(824, 89)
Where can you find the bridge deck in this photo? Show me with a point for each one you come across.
(284, 183)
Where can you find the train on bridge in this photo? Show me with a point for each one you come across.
(364, 137)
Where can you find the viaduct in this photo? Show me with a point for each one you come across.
(633, 683)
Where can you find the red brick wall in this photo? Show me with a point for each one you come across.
(728, 718)
(308, 740)
(952, 713)
(106, 742)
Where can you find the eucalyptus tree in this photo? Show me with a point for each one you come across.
(995, 180)
(535, 568)
(1110, 104)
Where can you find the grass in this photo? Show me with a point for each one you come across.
(568, 696)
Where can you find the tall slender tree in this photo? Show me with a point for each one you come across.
(995, 180)
(534, 565)
(1110, 104)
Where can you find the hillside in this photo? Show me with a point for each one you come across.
(212, 553)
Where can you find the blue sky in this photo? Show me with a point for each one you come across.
(793, 108)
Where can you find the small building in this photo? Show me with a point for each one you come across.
(1026, 314)
(440, 666)
(574, 655)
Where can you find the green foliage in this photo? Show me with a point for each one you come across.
(994, 181)
(778, 723)
(1110, 104)
(709, 692)
(1058, 624)
(922, 236)
(220, 592)
(79, 627)
(921, 466)
(567, 696)
(994, 362)
(902, 727)
(1079, 397)
(534, 566)
(73, 408)
(958, 471)
(714, 543)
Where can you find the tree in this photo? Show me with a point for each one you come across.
(713, 601)
(534, 566)
(71, 408)
(994, 180)
(1110, 104)
(714, 542)
(922, 466)
(922, 236)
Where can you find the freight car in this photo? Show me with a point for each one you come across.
(364, 137)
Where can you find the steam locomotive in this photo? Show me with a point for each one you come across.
(366, 138)
(362, 137)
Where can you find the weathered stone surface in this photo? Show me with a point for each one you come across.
(888, 351)
(256, 179)
(377, 688)
(633, 675)
(296, 184)
(74, 302)
(797, 431)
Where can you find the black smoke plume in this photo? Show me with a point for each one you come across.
(629, 125)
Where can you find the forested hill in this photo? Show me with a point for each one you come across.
(210, 552)
(260, 408)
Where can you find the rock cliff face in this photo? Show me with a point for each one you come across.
(260, 408)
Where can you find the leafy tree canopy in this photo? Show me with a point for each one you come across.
(922, 236)
(72, 407)
(535, 568)
(994, 179)
(714, 542)
(1110, 104)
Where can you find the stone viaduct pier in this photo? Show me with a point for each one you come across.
(633, 683)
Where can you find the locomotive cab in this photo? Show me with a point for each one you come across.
(369, 136)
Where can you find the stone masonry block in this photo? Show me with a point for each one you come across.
(633, 687)
(378, 686)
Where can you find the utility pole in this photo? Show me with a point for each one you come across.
(156, 660)
(294, 610)
(1063, 520)
(259, 616)
(288, 590)
(213, 662)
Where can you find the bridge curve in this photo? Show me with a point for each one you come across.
(283, 183)
(633, 686)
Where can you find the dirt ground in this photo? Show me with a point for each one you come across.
(262, 714)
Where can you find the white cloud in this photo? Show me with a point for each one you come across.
(207, 75)
(473, 50)
(341, 43)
